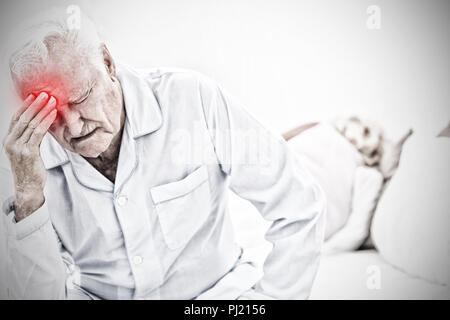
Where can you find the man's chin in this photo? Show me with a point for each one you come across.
(91, 151)
(90, 155)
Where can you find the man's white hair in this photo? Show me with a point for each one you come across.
(32, 46)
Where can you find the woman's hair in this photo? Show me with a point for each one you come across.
(36, 40)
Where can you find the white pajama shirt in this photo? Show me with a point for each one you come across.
(163, 230)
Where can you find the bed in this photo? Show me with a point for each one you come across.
(350, 275)
(361, 274)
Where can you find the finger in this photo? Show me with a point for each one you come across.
(34, 123)
(26, 103)
(29, 114)
(41, 130)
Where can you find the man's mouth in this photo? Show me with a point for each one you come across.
(85, 137)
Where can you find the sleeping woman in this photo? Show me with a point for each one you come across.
(352, 161)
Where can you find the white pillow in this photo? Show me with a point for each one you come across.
(411, 224)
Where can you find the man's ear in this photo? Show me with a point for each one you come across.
(108, 60)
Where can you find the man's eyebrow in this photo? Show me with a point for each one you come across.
(83, 96)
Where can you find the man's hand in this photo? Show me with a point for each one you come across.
(27, 128)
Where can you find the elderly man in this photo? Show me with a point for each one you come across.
(126, 196)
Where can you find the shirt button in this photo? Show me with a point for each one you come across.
(122, 200)
(137, 260)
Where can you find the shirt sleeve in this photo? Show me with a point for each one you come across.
(263, 170)
(36, 269)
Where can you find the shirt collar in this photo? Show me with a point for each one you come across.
(141, 105)
(142, 109)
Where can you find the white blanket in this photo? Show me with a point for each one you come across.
(333, 161)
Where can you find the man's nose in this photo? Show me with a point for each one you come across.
(72, 121)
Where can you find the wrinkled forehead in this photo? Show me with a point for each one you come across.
(63, 77)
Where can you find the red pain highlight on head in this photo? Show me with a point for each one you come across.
(50, 84)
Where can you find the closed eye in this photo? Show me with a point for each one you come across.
(80, 101)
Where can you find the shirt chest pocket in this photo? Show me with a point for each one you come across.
(182, 207)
